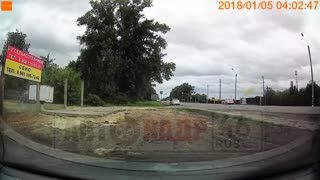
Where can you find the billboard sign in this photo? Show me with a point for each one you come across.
(23, 65)
(46, 93)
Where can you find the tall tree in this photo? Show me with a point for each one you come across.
(16, 39)
(184, 91)
(48, 61)
(75, 65)
(49, 65)
(122, 49)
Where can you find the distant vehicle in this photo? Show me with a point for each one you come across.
(228, 101)
(175, 102)
(243, 101)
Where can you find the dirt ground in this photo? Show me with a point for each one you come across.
(153, 134)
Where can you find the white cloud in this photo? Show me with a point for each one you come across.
(203, 42)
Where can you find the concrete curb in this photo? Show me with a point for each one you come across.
(76, 114)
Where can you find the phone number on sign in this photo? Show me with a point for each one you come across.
(268, 5)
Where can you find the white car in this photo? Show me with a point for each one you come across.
(228, 101)
(175, 102)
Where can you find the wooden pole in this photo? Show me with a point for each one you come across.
(220, 90)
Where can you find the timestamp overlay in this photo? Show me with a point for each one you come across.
(306, 5)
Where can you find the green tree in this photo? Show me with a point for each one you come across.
(48, 66)
(75, 65)
(48, 62)
(308, 94)
(270, 93)
(16, 39)
(182, 92)
(293, 97)
(55, 77)
(201, 98)
(122, 50)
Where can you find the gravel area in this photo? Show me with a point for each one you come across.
(153, 134)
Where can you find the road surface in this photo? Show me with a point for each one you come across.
(275, 109)
(298, 117)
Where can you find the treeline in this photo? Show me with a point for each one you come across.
(288, 97)
(293, 96)
(186, 93)
(120, 59)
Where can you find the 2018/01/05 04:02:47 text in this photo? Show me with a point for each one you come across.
(268, 5)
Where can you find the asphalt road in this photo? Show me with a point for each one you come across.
(275, 109)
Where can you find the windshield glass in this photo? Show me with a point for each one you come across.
(165, 86)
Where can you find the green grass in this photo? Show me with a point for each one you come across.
(196, 111)
(146, 104)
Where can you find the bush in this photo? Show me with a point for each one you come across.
(55, 76)
(94, 100)
(146, 104)
(121, 99)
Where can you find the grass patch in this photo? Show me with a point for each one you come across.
(146, 104)
(195, 111)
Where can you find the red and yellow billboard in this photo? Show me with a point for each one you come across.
(23, 65)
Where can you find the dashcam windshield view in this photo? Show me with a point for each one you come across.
(159, 89)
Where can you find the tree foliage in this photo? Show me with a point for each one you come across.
(54, 76)
(121, 53)
(16, 39)
(293, 96)
(201, 98)
(94, 100)
(182, 92)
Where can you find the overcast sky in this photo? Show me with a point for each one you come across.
(204, 42)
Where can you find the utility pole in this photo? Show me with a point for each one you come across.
(195, 92)
(235, 89)
(207, 94)
(312, 104)
(296, 74)
(263, 89)
(220, 90)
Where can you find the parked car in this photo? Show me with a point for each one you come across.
(175, 102)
